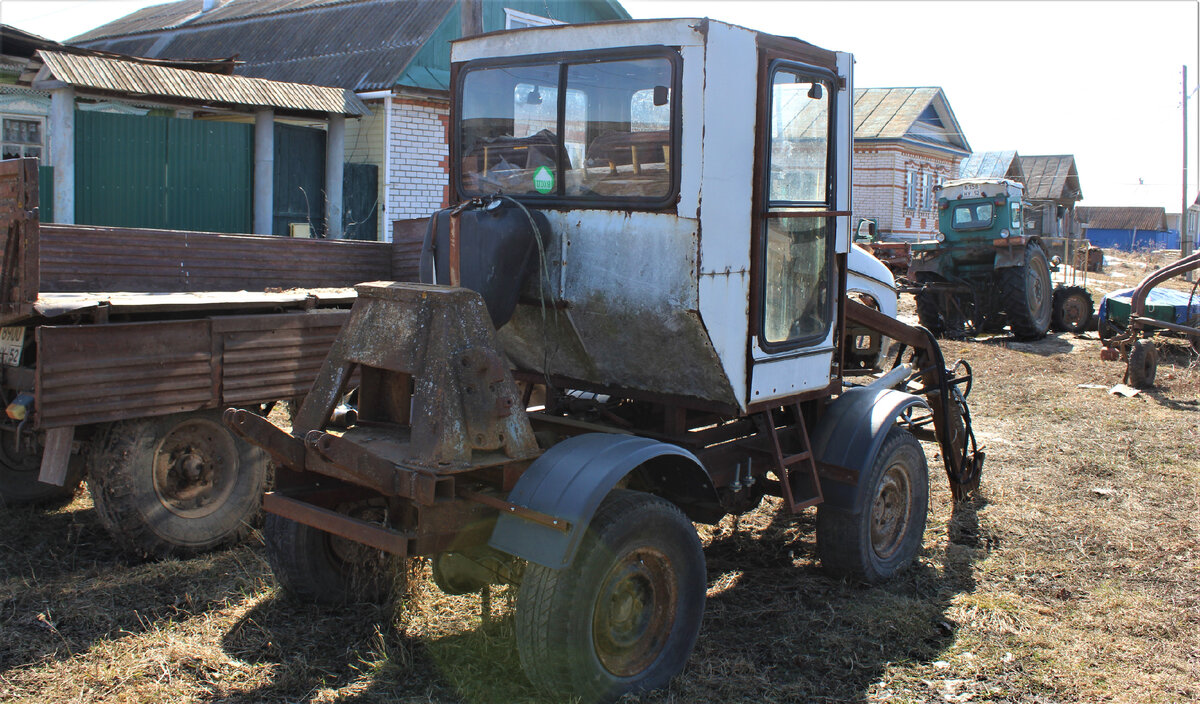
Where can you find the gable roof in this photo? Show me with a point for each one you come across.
(360, 45)
(1098, 218)
(1051, 177)
(1002, 164)
(921, 115)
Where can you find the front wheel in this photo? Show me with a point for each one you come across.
(1072, 309)
(624, 616)
(318, 567)
(19, 469)
(176, 485)
(1027, 295)
(883, 535)
(1143, 364)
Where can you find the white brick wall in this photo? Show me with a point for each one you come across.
(418, 178)
(879, 188)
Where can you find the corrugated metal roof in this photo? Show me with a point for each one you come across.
(359, 45)
(131, 78)
(1110, 218)
(894, 113)
(1002, 164)
(1051, 177)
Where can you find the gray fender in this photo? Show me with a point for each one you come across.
(568, 482)
(1014, 255)
(850, 433)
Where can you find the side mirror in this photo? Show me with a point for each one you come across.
(816, 92)
(661, 95)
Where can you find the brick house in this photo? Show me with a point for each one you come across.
(394, 54)
(906, 142)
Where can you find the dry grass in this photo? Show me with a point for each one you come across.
(1071, 578)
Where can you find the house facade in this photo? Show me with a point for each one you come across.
(906, 143)
(394, 54)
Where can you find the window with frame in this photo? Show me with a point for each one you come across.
(910, 189)
(516, 19)
(591, 128)
(21, 136)
(797, 249)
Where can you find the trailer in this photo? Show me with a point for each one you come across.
(635, 317)
(120, 347)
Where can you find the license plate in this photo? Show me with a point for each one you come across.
(12, 340)
(972, 190)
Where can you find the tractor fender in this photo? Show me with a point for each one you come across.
(1013, 254)
(850, 434)
(569, 481)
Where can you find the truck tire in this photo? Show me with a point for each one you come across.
(318, 567)
(929, 308)
(1072, 309)
(1143, 364)
(884, 536)
(624, 616)
(19, 485)
(177, 485)
(1026, 294)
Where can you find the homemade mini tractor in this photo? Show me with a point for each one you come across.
(635, 318)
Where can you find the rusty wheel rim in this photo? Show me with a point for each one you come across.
(1038, 289)
(891, 512)
(635, 612)
(195, 468)
(1074, 312)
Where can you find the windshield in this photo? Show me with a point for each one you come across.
(615, 118)
(972, 216)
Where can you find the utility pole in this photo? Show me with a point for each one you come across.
(1185, 245)
(471, 12)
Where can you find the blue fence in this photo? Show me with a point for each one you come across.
(1130, 240)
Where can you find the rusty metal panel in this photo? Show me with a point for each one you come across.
(269, 357)
(19, 231)
(78, 258)
(99, 373)
(113, 75)
(408, 236)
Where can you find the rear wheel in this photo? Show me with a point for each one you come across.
(1072, 309)
(1143, 364)
(883, 535)
(176, 485)
(19, 468)
(624, 616)
(318, 567)
(1026, 294)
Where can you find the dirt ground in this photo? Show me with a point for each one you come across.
(1071, 577)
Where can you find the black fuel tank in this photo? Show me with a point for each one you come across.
(497, 248)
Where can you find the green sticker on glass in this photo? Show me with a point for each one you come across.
(543, 180)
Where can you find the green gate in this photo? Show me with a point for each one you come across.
(299, 178)
(163, 172)
(360, 201)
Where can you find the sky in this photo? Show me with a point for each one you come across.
(1097, 79)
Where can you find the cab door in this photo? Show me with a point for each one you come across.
(801, 226)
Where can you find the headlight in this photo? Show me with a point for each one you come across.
(1004, 232)
(940, 237)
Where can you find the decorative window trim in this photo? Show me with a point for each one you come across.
(516, 19)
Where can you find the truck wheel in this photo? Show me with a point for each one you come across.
(929, 309)
(624, 616)
(19, 485)
(1143, 364)
(318, 567)
(1072, 309)
(883, 537)
(177, 485)
(1027, 295)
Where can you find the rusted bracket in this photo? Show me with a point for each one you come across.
(283, 448)
(339, 524)
(342, 459)
(528, 514)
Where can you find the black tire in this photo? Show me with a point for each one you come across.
(1026, 294)
(19, 485)
(1072, 309)
(624, 616)
(883, 537)
(318, 567)
(177, 485)
(930, 311)
(1143, 364)
(1106, 329)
